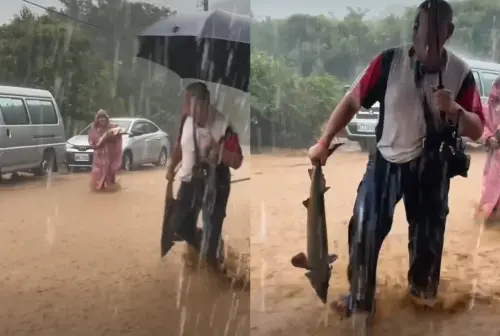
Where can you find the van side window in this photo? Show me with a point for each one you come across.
(488, 79)
(42, 112)
(13, 111)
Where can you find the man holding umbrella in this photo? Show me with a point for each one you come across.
(215, 141)
(408, 162)
(212, 46)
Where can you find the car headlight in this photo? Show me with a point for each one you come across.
(69, 146)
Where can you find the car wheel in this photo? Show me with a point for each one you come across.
(47, 165)
(127, 161)
(162, 158)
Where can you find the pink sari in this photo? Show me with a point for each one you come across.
(490, 197)
(107, 160)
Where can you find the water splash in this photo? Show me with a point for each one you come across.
(232, 313)
(50, 232)
(475, 258)
(263, 222)
(180, 286)
(263, 285)
(241, 327)
(214, 308)
(183, 320)
(49, 178)
(188, 287)
(240, 262)
(50, 229)
(325, 316)
(197, 322)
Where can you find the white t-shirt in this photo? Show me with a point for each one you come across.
(403, 119)
(203, 134)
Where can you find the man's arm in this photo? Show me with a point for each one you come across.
(366, 93)
(469, 101)
(176, 156)
(177, 151)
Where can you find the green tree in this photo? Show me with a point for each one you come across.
(287, 109)
(43, 53)
(343, 47)
(112, 27)
(300, 63)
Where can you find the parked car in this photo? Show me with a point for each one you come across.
(362, 127)
(32, 137)
(143, 143)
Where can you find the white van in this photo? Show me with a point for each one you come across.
(32, 137)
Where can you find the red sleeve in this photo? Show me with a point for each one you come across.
(366, 90)
(232, 143)
(468, 96)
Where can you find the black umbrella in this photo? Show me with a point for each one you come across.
(211, 46)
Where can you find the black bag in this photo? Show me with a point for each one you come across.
(445, 144)
(459, 161)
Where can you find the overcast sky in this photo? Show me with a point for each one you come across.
(261, 8)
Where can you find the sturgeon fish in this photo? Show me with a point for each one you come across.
(317, 262)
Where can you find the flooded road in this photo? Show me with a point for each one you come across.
(77, 263)
(80, 263)
(283, 301)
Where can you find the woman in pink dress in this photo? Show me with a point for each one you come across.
(489, 206)
(105, 138)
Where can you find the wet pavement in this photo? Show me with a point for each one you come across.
(78, 263)
(283, 301)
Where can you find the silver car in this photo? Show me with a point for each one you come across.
(144, 143)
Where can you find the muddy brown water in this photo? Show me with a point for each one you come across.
(283, 303)
(77, 263)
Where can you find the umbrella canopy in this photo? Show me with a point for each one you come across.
(211, 46)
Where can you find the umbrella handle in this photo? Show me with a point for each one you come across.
(436, 27)
(170, 189)
(170, 185)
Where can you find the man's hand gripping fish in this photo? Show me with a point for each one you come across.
(318, 261)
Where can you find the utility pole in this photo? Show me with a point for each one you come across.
(204, 4)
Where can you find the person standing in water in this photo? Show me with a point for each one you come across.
(105, 138)
(404, 80)
(489, 205)
(228, 154)
(209, 128)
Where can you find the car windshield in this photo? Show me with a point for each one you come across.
(123, 124)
